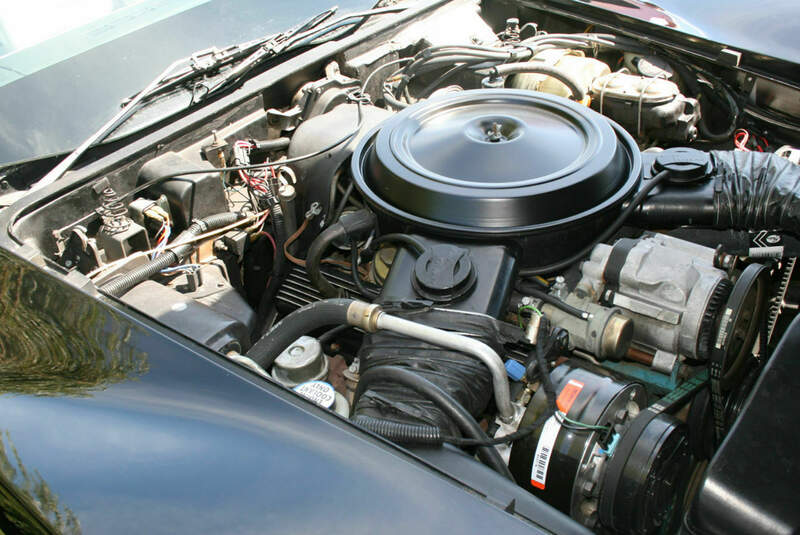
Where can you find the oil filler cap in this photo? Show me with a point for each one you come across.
(685, 165)
(443, 273)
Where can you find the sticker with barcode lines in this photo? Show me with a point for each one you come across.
(544, 450)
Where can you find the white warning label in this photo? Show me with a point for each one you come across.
(544, 449)
(319, 392)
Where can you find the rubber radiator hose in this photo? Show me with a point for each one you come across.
(300, 322)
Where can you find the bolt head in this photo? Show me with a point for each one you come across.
(588, 508)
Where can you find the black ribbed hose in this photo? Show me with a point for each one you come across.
(401, 432)
(756, 190)
(301, 321)
(122, 284)
(744, 191)
(460, 416)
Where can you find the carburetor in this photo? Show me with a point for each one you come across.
(671, 289)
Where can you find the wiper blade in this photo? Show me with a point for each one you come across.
(212, 59)
(127, 110)
(306, 34)
(315, 21)
(203, 62)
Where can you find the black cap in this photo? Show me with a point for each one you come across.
(443, 273)
(684, 164)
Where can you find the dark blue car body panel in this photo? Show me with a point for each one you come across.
(111, 425)
(757, 39)
(768, 28)
(53, 110)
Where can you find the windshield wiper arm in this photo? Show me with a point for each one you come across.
(212, 59)
(314, 21)
(304, 35)
(127, 110)
(198, 64)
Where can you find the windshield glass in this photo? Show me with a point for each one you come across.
(68, 77)
(39, 33)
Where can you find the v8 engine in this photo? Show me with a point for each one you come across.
(536, 248)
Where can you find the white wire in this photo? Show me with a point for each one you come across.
(167, 230)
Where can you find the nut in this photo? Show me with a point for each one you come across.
(364, 315)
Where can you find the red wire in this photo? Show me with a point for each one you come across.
(272, 241)
(740, 138)
(256, 183)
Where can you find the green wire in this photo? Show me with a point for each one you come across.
(581, 424)
(526, 307)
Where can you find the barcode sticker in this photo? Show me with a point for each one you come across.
(544, 449)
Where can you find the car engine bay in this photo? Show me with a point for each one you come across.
(559, 250)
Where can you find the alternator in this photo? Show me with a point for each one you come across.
(669, 287)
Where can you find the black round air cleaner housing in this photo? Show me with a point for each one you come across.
(541, 171)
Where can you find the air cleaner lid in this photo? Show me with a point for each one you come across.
(496, 161)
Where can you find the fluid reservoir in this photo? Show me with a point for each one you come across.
(573, 62)
(324, 395)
